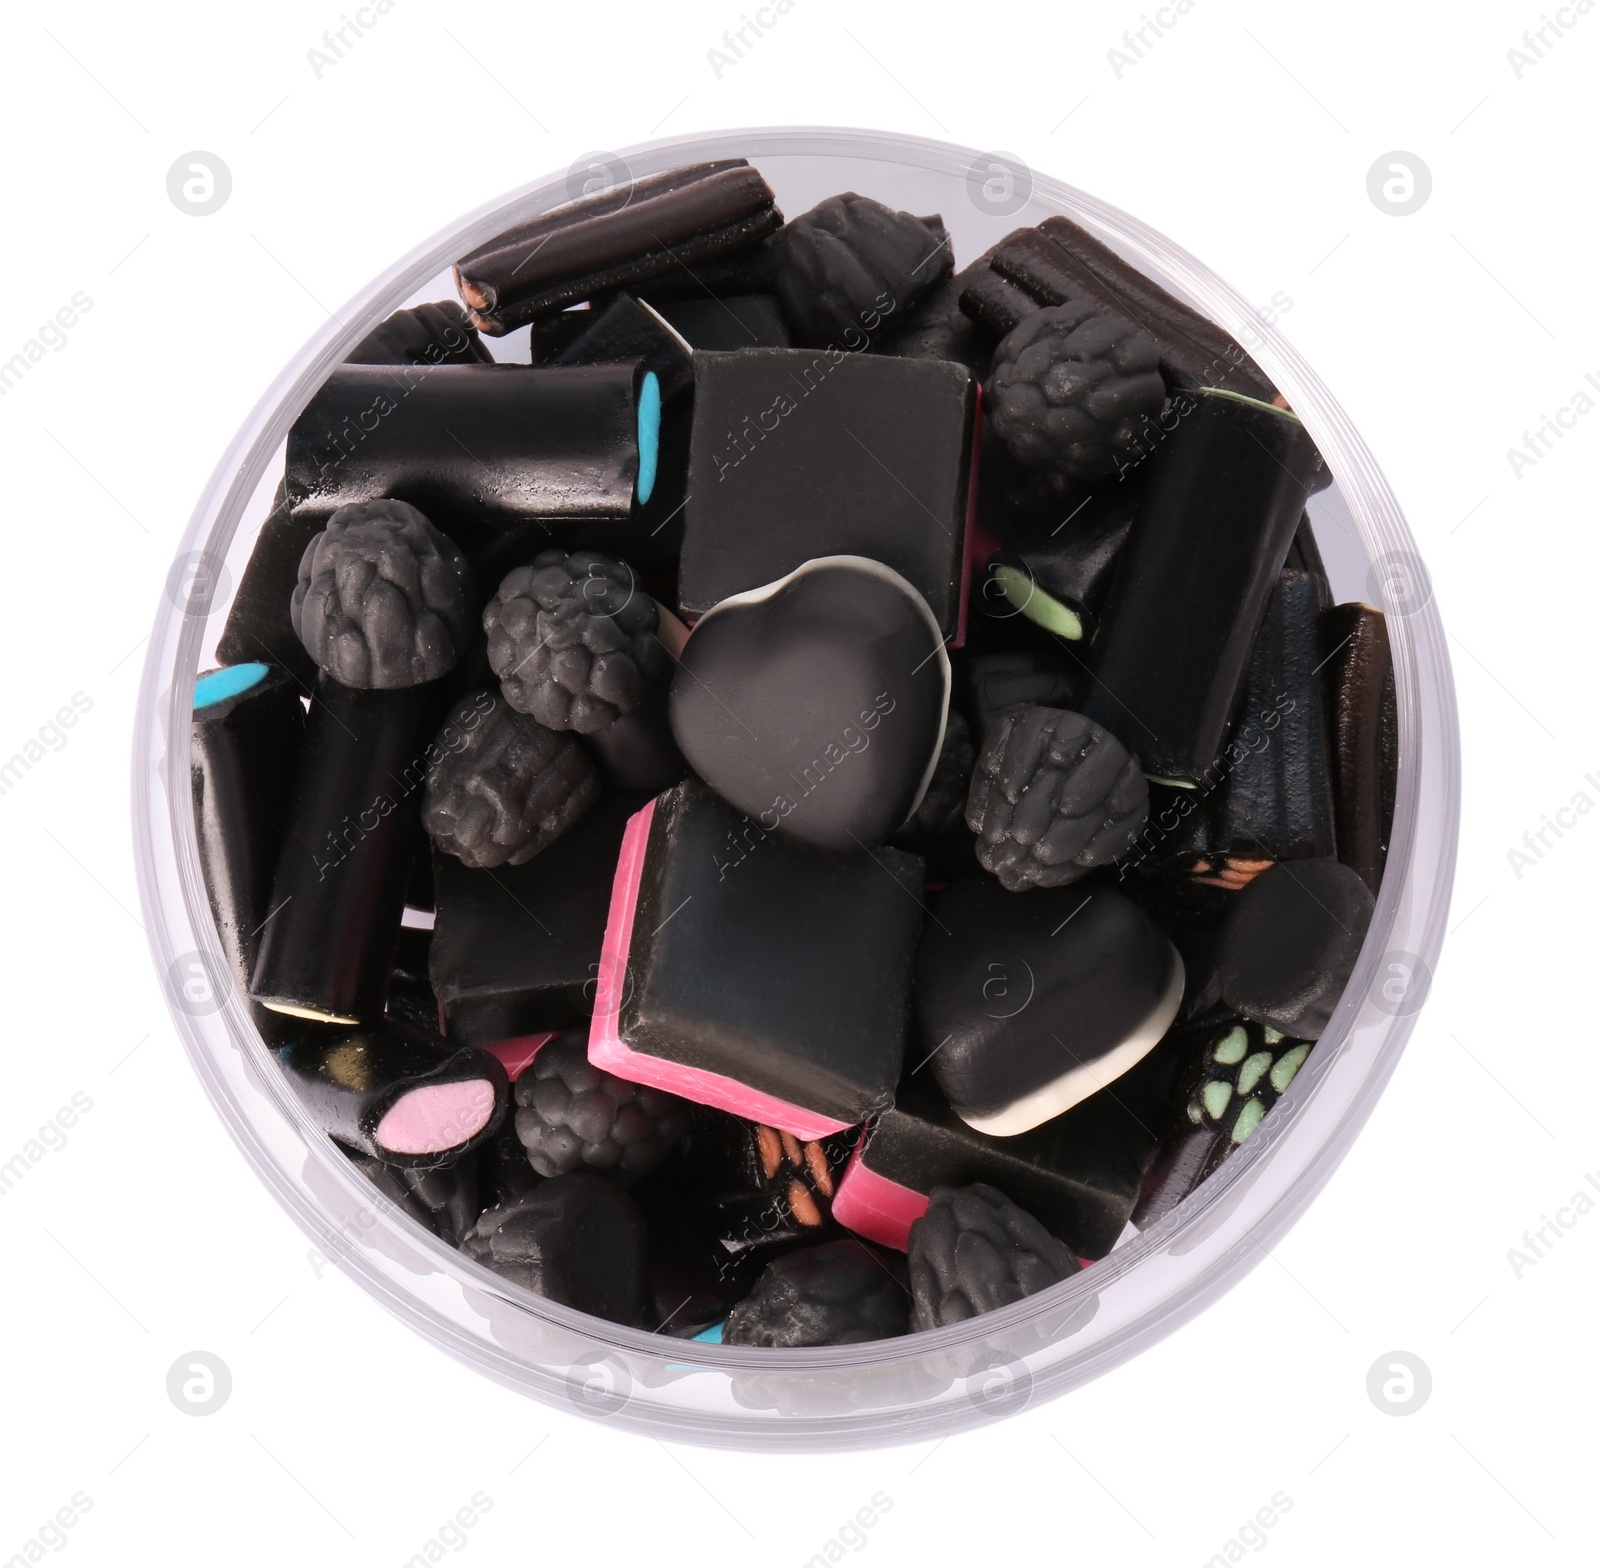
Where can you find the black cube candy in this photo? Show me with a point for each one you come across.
(749, 972)
(800, 453)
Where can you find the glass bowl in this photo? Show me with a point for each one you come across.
(922, 1386)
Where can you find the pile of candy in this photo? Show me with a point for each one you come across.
(740, 842)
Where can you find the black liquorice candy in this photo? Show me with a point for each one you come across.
(675, 221)
(1078, 1174)
(1290, 943)
(383, 599)
(1076, 391)
(724, 323)
(1053, 798)
(628, 330)
(1236, 1073)
(1061, 580)
(352, 830)
(516, 949)
(244, 748)
(435, 334)
(478, 447)
(1027, 1003)
(1273, 801)
(397, 1094)
(258, 628)
(571, 1116)
(841, 1293)
(754, 973)
(990, 683)
(578, 1240)
(975, 1250)
(1214, 524)
(850, 267)
(504, 787)
(816, 704)
(837, 454)
(1360, 680)
(1061, 260)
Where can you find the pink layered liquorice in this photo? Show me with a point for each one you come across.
(874, 1206)
(609, 1051)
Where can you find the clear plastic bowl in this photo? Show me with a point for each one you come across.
(925, 1385)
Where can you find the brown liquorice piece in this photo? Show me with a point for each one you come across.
(616, 238)
(1360, 686)
(1195, 352)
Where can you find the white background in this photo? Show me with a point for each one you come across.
(1245, 133)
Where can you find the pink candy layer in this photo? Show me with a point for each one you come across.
(608, 1051)
(436, 1117)
(517, 1055)
(875, 1207)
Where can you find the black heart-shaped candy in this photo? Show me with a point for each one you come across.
(816, 704)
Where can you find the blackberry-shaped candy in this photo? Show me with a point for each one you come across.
(384, 599)
(1054, 797)
(1071, 389)
(572, 1116)
(576, 1239)
(851, 267)
(975, 1250)
(572, 638)
(841, 1293)
(503, 786)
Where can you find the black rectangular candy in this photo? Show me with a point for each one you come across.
(516, 949)
(799, 453)
(1213, 526)
(752, 972)
(1077, 1174)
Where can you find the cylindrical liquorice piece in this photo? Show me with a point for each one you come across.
(1275, 802)
(1355, 639)
(615, 238)
(503, 443)
(398, 1094)
(1214, 524)
(243, 751)
(997, 303)
(1061, 581)
(353, 828)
